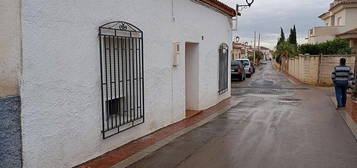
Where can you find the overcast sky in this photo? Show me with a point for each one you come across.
(267, 16)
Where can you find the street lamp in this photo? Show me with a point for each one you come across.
(241, 7)
(237, 39)
(249, 4)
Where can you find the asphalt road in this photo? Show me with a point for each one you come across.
(277, 124)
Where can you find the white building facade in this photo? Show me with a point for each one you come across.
(267, 53)
(339, 21)
(154, 58)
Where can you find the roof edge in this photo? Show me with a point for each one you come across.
(324, 15)
(220, 6)
(353, 31)
(337, 4)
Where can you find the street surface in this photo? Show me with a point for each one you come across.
(277, 124)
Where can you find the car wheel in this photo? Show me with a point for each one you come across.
(248, 76)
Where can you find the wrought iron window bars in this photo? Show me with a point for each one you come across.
(223, 68)
(122, 77)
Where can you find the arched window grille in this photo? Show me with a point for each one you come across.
(122, 77)
(223, 68)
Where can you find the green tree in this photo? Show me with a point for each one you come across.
(282, 36)
(258, 55)
(292, 37)
(251, 58)
(277, 57)
(285, 49)
(295, 35)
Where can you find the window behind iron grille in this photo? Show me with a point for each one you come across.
(122, 77)
(223, 68)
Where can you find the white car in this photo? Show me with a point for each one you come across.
(247, 67)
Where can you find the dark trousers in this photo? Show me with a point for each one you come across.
(340, 89)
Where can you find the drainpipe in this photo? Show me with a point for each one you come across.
(172, 11)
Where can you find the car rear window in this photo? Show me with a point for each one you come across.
(235, 63)
(245, 62)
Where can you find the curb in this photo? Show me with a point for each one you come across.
(142, 154)
(138, 149)
(352, 125)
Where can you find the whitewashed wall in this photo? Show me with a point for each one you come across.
(61, 106)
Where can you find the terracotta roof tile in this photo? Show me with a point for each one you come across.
(220, 6)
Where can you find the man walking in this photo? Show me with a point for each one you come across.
(342, 77)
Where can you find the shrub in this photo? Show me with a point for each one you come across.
(285, 49)
(258, 55)
(337, 46)
(312, 49)
(251, 58)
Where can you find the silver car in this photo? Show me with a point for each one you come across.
(247, 67)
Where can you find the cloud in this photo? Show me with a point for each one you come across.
(267, 16)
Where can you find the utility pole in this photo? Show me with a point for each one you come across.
(259, 43)
(255, 39)
(246, 49)
(237, 9)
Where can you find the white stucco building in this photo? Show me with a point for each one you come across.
(87, 71)
(340, 22)
(267, 53)
(239, 50)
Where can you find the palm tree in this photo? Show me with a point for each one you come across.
(284, 51)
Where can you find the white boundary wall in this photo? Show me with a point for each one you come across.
(316, 69)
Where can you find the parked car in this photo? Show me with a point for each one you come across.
(237, 70)
(247, 67)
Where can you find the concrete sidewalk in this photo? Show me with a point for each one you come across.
(349, 114)
(138, 149)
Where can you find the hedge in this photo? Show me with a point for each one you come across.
(337, 46)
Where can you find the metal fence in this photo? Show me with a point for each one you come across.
(122, 77)
(223, 68)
